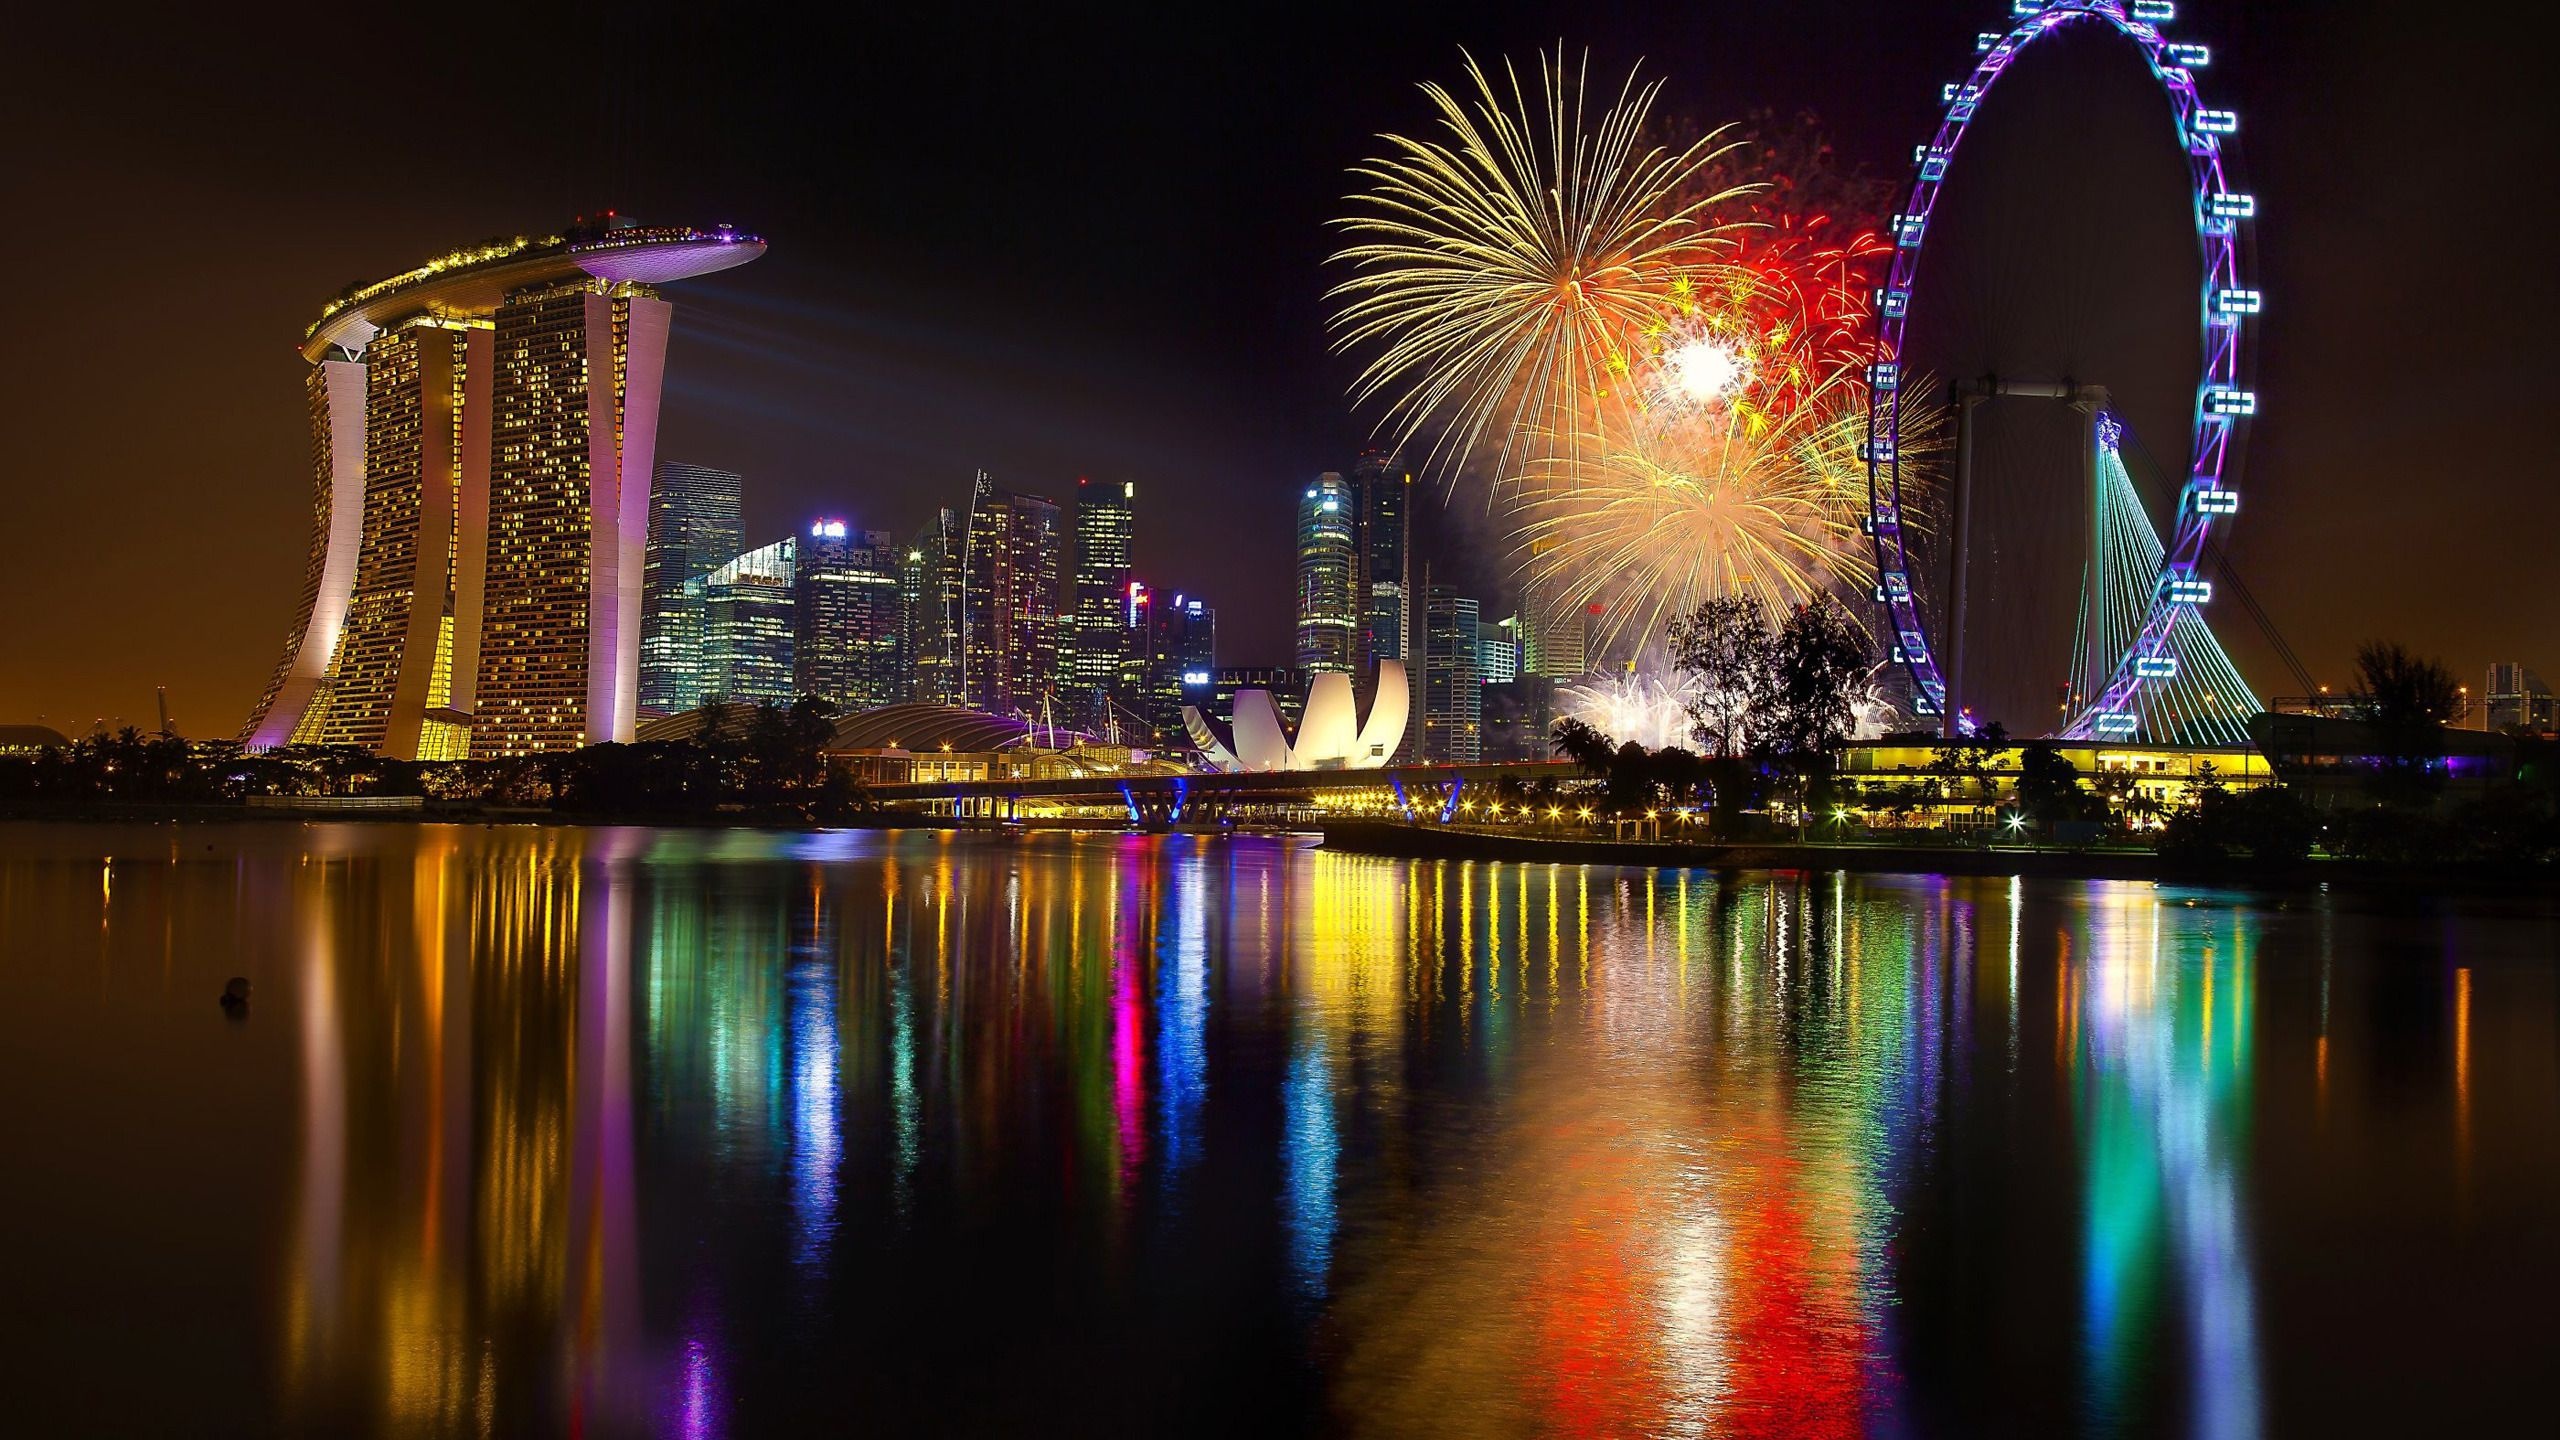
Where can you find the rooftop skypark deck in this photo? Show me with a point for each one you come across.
(469, 282)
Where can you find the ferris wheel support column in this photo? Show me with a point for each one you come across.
(1959, 526)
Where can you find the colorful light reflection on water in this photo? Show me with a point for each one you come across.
(704, 1133)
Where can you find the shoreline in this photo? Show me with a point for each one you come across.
(1417, 842)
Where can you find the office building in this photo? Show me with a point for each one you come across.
(696, 522)
(484, 430)
(1102, 642)
(1519, 715)
(1554, 630)
(1452, 696)
(750, 630)
(848, 620)
(1286, 686)
(1328, 574)
(2516, 699)
(1182, 661)
(930, 584)
(1498, 652)
(1382, 581)
(1010, 628)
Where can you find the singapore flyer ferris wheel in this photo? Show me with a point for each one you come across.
(2157, 671)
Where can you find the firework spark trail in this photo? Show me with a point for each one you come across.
(1668, 347)
(1508, 269)
(1722, 500)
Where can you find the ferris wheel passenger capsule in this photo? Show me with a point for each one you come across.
(2156, 667)
(2158, 12)
(2217, 122)
(2116, 724)
(2231, 205)
(2190, 592)
(2214, 500)
(2194, 57)
(2223, 400)
(1884, 375)
(2025, 7)
(2237, 302)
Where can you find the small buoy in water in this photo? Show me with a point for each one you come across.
(235, 995)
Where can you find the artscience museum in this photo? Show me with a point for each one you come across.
(1331, 735)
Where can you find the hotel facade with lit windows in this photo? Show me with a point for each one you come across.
(484, 430)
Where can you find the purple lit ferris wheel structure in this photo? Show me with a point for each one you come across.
(2166, 639)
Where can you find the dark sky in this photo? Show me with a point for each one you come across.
(1084, 240)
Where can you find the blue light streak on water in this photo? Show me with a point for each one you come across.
(816, 1144)
(1182, 1022)
(1311, 1144)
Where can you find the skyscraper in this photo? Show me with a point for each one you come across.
(1383, 583)
(1498, 652)
(2517, 699)
(695, 523)
(1328, 574)
(1100, 647)
(930, 584)
(750, 630)
(1452, 695)
(484, 431)
(1009, 603)
(397, 645)
(1555, 631)
(1181, 639)
(847, 617)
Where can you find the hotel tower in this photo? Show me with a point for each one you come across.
(483, 434)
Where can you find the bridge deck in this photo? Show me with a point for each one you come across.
(1266, 783)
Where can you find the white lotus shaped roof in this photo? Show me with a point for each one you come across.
(1331, 735)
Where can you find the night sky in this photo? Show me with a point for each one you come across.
(1079, 241)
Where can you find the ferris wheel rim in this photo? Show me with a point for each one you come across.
(2223, 405)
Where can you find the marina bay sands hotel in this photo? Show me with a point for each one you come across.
(483, 430)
